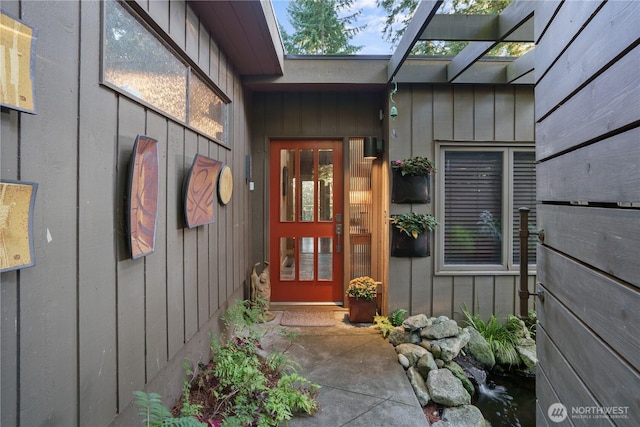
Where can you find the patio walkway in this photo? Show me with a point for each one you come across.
(362, 382)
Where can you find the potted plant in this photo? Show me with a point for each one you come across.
(411, 179)
(410, 234)
(362, 299)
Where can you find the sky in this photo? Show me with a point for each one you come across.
(370, 38)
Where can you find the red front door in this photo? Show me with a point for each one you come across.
(306, 221)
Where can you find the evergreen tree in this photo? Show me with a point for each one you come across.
(395, 27)
(318, 28)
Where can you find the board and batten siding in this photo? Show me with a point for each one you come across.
(588, 184)
(482, 114)
(87, 325)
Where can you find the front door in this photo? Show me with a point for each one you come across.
(306, 221)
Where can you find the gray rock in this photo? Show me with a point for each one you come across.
(416, 322)
(435, 349)
(404, 361)
(425, 344)
(441, 319)
(446, 329)
(411, 351)
(459, 373)
(419, 387)
(426, 364)
(480, 349)
(446, 389)
(450, 347)
(528, 356)
(400, 335)
(464, 416)
(439, 363)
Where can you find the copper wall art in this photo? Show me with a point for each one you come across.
(199, 192)
(17, 200)
(17, 69)
(144, 180)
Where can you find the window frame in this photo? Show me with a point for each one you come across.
(172, 48)
(507, 266)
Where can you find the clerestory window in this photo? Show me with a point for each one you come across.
(140, 64)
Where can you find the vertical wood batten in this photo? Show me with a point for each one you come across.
(97, 222)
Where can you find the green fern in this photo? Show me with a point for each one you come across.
(397, 317)
(155, 414)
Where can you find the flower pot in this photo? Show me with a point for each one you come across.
(410, 188)
(361, 310)
(403, 245)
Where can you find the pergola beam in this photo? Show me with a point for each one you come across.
(521, 66)
(515, 15)
(456, 27)
(421, 19)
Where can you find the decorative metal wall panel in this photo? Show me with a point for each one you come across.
(144, 181)
(199, 191)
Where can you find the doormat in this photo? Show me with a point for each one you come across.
(308, 318)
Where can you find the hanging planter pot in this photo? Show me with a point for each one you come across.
(410, 188)
(410, 234)
(403, 245)
(411, 180)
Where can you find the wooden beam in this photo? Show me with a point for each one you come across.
(516, 14)
(521, 66)
(421, 18)
(455, 27)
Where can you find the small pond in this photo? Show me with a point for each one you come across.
(508, 401)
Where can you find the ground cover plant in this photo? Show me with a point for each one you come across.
(241, 385)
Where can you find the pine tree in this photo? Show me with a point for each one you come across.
(318, 28)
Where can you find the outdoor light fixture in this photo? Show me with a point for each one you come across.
(370, 151)
(372, 147)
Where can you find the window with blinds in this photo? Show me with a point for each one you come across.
(483, 188)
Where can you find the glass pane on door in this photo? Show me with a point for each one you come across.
(287, 183)
(307, 187)
(325, 184)
(307, 257)
(325, 258)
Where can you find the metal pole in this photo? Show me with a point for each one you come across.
(523, 233)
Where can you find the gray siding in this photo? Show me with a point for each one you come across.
(587, 117)
(459, 113)
(87, 325)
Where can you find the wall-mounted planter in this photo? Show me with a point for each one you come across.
(361, 310)
(410, 188)
(403, 245)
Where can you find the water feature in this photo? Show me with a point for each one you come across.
(508, 401)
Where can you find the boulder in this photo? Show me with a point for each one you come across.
(464, 416)
(426, 364)
(450, 347)
(445, 389)
(416, 322)
(480, 349)
(411, 351)
(400, 335)
(419, 387)
(528, 356)
(446, 329)
(459, 373)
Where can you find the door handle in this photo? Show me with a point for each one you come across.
(338, 237)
